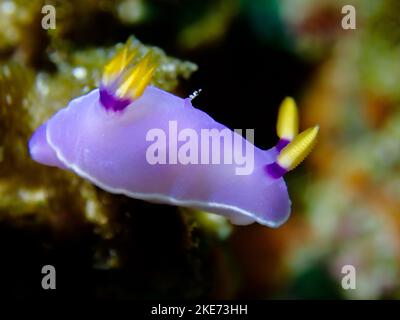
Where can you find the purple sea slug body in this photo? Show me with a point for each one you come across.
(107, 136)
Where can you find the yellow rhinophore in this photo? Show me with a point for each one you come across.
(297, 150)
(137, 79)
(118, 63)
(287, 126)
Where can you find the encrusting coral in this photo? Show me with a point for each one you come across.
(35, 197)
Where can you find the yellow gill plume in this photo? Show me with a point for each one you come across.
(138, 78)
(119, 62)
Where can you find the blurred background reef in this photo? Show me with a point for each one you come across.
(246, 56)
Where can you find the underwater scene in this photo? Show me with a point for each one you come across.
(200, 149)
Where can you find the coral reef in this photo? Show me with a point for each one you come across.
(37, 198)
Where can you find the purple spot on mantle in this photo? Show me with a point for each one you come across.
(111, 102)
(275, 170)
(281, 144)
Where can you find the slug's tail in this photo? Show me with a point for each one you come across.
(292, 148)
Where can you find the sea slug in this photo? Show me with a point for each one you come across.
(131, 138)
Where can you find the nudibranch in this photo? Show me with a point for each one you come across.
(103, 136)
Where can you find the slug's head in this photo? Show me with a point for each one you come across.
(123, 82)
(292, 148)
